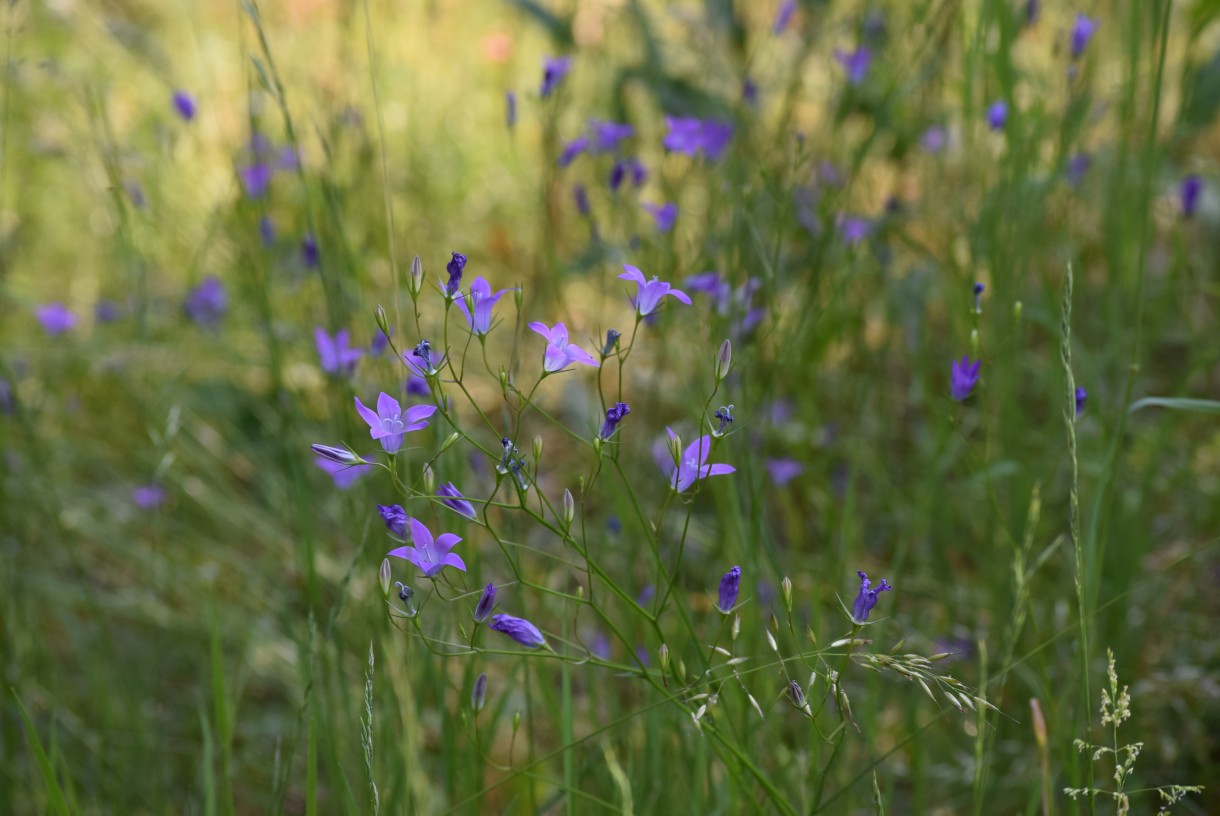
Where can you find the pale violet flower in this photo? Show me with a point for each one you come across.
(650, 291)
(478, 314)
(430, 555)
(693, 465)
(559, 352)
(389, 423)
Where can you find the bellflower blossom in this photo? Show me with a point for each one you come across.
(934, 139)
(255, 179)
(309, 250)
(395, 518)
(573, 149)
(559, 352)
(55, 318)
(692, 136)
(608, 135)
(519, 629)
(665, 215)
(207, 302)
(997, 115)
(455, 266)
(1081, 396)
(1191, 189)
(482, 300)
(855, 63)
(148, 497)
(334, 354)
(783, 16)
(730, 584)
(554, 69)
(389, 423)
(649, 294)
(184, 105)
(431, 556)
(452, 498)
(614, 416)
(962, 377)
(783, 471)
(1082, 31)
(693, 465)
(624, 168)
(867, 599)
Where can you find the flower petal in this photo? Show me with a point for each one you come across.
(421, 536)
(369, 416)
(387, 406)
(633, 274)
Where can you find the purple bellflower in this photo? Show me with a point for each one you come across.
(573, 149)
(997, 115)
(379, 343)
(55, 318)
(482, 300)
(184, 105)
(1191, 189)
(614, 416)
(107, 311)
(519, 629)
(431, 556)
(608, 135)
(255, 179)
(334, 354)
(867, 599)
(389, 423)
(554, 69)
(783, 471)
(730, 584)
(853, 228)
(452, 498)
(207, 302)
(395, 519)
(581, 197)
(455, 266)
(487, 602)
(692, 136)
(962, 377)
(559, 352)
(1082, 31)
(783, 16)
(148, 497)
(1081, 396)
(855, 63)
(309, 250)
(693, 466)
(665, 215)
(343, 475)
(649, 294)
(417, 386)
(934, 139)
(625, 168)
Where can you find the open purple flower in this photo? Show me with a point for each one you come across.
(665, 215)
(452, 498)
(519, 629)
(614, 416)
(482, 300)
(554, 69)
(207, 302)
(395, 519)
(693, 466)
(55, 318)
(855, 63)
(255, 179)
(650, 292)
(389, 423)
(431, 556)
(344, 476)
(853, 228)
(962, 377)
(184, 105)
(1082, 31)
(334, 354)
(559, 352)
(783, 471)
(730, 584)
(608, 135)
(997, 115)
(692, 136)
(573, 149)
(867, 599)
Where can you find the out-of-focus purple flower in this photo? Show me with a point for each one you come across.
(783, 471)
(266, 230)
(288, 159)
(55, 318)
(344, 476)
(1191, 189)
(8, 400)
(962, 377)
(455, 266)
(607, 136)
(554, 69)
(149, 496)
(665, 215)
(207, 302)
(934, 139)
(867, 598)
(309, 250)
(997, 115)
(379, 343)
(136, 193)
(487, 602)
(559, 352)
(510, 109)
(614, 416)
(783, 16)
(1081, 396)
(749, 92)
(1032, 9)
(255, 179)
(573, 149)
(1082, 31)
(853, 229)
(730, 585)
(420, 361)
(483, 300)
(389, 423)
(519, 629)
(340, 455)
(431, 556)
(395, 518)
(693, 465)
(649, 292)
(107, 311)
(625, 167)
(1077, 166)
(417, 386)
(452, 498)
(692, 136)
(581, 196)
(712, 284)
(978, 297)
(184, 105)
(855, 63)
(334, 354)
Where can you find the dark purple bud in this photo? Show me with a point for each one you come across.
(613, 417)
(581, 196)
(1081, 396)
(1032, 10)
(612, 337)
(519, 629)
(997, 115)
(395, 519)
(1192, 187)
(478, 695)
(1083, 31)
(309, 250)
(730, 584)
(455, 266)
(978, 294)
(266, 230)
(341, 455)
(184, 105)
(796, 695)
(867, 598)
(486, 603)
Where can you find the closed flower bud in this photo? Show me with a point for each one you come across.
(516, 721)
(429, 480)
(974, 342)
(448, 443)
(341, 455)
(478, 695)
(796, 695)
(785, 593)
(681, 671)
(675, 448)
(663, 658)
(537, 448)
(384, 577)
(383, 322)
(569, 507)
(416, 282)
(736, 629)
(724, 360)
(730, 584)
(1017, 310)
(486, 603)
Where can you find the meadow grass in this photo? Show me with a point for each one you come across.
(197, 617)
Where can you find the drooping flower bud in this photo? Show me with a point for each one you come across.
(730, 584)
(478, 695)
(785, 593)
(486, 603)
